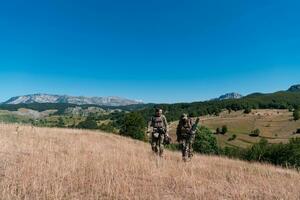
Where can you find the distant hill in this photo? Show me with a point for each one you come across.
(275, 125)
(294, 88)
(288, 99)
(232, 95)
(256, 94)
(77, 100)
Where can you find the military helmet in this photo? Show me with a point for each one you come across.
(184, 116)
(157, 109)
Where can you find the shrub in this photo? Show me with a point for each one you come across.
(234, 152)
(88, 124)
(247, 110)
(133, 126)
(296, 114)
(229, 110)
(257, 151)
(60, 122)
(218, 131)
(286, 155)
(255, 133)
(205, 142)
(233, 137)
(107, 127)
(224, 129)
(298, 131)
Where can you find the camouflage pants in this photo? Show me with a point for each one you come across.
(157, 143)
(187, 146)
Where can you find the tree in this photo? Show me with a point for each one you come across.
(255, 133)
(88, 124)
(233, 137)
(224, 129)
(247, 110)
(205, 142)
(107, 127)
(133, 126)
(257, 151)
(60, 122)
(296, 115)
(277, 154)
(229, 110)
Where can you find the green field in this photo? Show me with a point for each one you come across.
(275, 125)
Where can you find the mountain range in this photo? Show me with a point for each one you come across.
(232, 95)
(294, 88)
(108, 101)
(79, 100)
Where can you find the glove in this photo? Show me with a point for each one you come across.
(148, 132)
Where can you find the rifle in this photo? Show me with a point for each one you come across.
(195, 125)
(167, 140)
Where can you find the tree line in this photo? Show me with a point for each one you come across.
(278, 100)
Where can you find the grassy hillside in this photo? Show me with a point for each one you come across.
(9, 117)
(275, 125)
(42, 163)
(61, 107)
(277, 100)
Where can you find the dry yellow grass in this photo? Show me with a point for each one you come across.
(40, 163)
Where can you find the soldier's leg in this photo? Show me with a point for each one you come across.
(191, 142)
(154, 144)
(184, 149)
(161, 144)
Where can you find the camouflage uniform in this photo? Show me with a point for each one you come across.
(160, 128)
(185, 136)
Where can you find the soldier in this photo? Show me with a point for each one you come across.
(160, 130)
(186, 135)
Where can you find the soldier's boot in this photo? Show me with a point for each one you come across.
(161, 151)
(184, 155)
(191, 151)
(189, 155)
(154, 149)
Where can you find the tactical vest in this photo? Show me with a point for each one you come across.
(185, 127)
(157, 122)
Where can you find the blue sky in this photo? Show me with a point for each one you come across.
(156, 51)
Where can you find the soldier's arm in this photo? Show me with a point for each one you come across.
(178, 131)
(191, 122)
(149, 125)
(166, 124)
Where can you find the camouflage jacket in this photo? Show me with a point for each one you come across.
(158, 123)
(184, 128)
